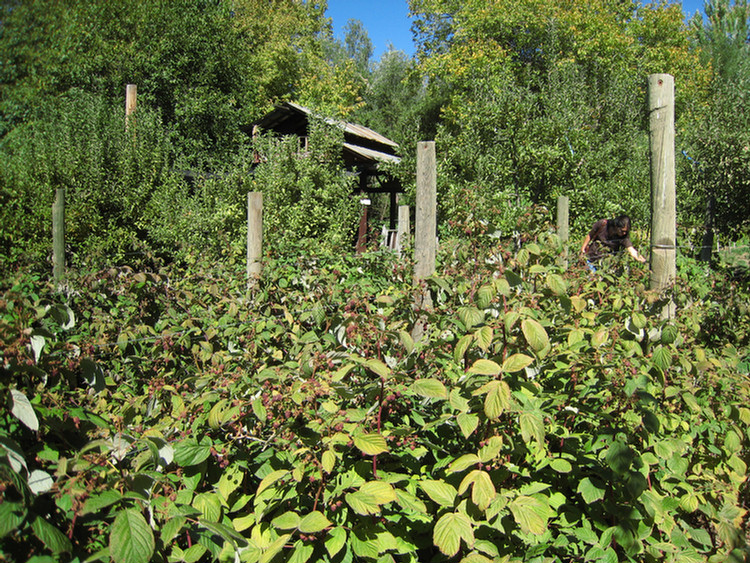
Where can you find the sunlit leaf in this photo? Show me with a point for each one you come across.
(131, 539)
(450, 530)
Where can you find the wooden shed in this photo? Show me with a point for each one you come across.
(363, 151)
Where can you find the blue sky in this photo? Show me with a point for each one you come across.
(387, 21)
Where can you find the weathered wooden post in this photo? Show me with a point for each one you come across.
(663, 221)
(254, 236)
(425, 226)
(563, 227)
(131, 97)
(402, 234)
(58, 237)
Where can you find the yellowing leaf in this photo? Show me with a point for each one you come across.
(483, 491)
(378, 367)
(371, 444)
(463, 463)
(535, 335)
(484, 337)
(485, 367)
(270, 479)
(467, 423)
(530, 514)
(440, 492)
(429, 388)
(517, 362)
(313, 523)
(450, 530)
(497, 399)
(381, 491)
(328, 461)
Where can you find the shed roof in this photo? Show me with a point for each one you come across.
(362, 145)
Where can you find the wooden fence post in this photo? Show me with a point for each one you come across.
(425, 226)
(131, 97)
(254, 236)
(402, 234)
(563, 227)
(663, 215)
(58, 237)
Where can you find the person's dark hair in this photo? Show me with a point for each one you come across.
(622, 222)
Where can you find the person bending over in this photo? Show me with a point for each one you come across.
(609, 236)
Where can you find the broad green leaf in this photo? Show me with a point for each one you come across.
(381, 491)
(102, 500)
(590, 491)
(216, 413)
(639, 319)
(458, 402)
(371, 444)
(335, 540)
(484, 337)
(440, 492)
(11, 516)
(484, 296)
(463, 463)
(561, 465)
(23, 410)
(517, 362)
(485, 367)
(557, 284)
(170, 529)
(328, 461)
(530, 514)
(619, 457)
(189, 452)
(259, 410)
(131, 539)
(662, 358)
(274, 548)
(406, 341)
(450, 530)
(491, 449)
(470, 316)
(301, 552)
(532, 426)
(362, 503)
(535, 335)
(483, 490)
(378, 367)
(599, 338)
(270, 479)
(314, 522)
(230, 481)
(409, 502)
(287, 521)
(461, 347)
(54, 539)
(497, 399)
(429, 388)
(467, 423)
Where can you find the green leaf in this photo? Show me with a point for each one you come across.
(485, 367)
(535, 335)
(530, 514)
(131, 539)
(380, 491)
(517, 362)
(440, 492)
(328, 461)
(557, 284)
(461, 347)
(274, 548)
(532, 426)
(371, 444)
(467, 423)
(484, 296)
(497, 399)
(484, 337)
(590, 491)
(23, 410)
(11, 516)
(301, 552)
(378, 367)
(409, 502)
(662, 358)
(450, 530)
(491, 449)
(463, 463)
(316, 522)
(287, 521)
(335, 540)
(429, 388)
(230, 481)
(189, 452)
(561, 465)
(470, 316)
(50, 536)
(270, 479)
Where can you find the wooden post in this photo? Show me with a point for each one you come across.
(563, 228)
(663, 215)
(402, 235)
(131, 97)
(254, 235)
(58, 237)
(425, 226)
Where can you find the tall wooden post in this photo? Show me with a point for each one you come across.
(563, 227)
(425, 226)
(58, 237)
(663, 215)
(131, 97)
(402, 235)
(254, 235)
